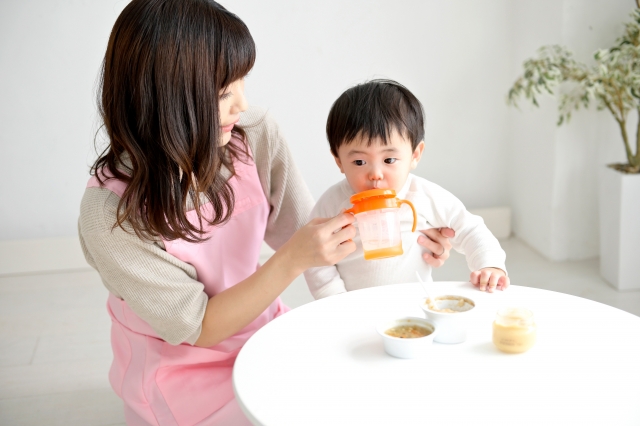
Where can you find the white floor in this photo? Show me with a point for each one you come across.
(54, 334)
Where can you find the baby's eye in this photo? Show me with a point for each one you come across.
(389, 160)
(359, 162)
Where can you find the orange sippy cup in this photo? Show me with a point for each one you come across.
(377, 212)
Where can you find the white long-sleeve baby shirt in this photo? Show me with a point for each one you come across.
(436, 208)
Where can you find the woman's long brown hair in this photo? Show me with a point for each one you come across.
(165, 65)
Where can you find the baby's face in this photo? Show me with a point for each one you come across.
(378, 166)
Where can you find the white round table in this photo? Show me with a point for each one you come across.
(324, 364)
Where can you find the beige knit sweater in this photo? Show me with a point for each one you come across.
(160, 288)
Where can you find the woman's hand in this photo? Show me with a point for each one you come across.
(436, 241)
(322, 242)
(489, 279)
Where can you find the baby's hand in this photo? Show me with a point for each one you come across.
(489, 279)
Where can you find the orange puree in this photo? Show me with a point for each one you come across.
(383, 252)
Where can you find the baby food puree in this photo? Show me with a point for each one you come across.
(514, 330)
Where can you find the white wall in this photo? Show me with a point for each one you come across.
(453, 55)
(459, 57)
(50, 53)
(553, 170)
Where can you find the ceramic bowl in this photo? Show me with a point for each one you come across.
(407, 347)
(451, 314)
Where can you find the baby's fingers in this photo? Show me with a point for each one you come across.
(503, 283)
(483, 279)
(492, 282)
(475, 278)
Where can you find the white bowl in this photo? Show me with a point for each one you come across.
(407, 347)
(452, 326)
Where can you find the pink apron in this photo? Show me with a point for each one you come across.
(181, 385)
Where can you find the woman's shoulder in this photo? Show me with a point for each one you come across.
(97, 209)
(254, 116)
(259, 125)
(263, 135)
(99, 213)
(257, 121)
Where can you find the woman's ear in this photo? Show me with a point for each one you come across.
(338, 162)
(417, 154)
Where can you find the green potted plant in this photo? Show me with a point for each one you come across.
(613, 84)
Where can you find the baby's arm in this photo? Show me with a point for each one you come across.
(485, 257)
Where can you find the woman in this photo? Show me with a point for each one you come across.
(179, 204)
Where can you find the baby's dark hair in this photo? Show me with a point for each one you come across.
(374, 109)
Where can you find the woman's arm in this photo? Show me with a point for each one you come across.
(164, 291)
(315, 244)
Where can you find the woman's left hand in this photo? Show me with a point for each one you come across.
(436, 241)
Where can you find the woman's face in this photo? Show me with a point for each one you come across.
(232, 103)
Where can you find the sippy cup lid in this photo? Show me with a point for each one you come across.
(372, 193)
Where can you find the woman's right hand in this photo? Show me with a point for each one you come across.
(322, 242)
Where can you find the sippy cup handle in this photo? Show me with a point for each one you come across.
(413, 209)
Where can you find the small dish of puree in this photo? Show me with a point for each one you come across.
(408, 331)
(407, 337)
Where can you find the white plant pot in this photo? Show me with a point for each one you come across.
(619, 201)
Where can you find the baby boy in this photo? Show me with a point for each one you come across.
(375, 133)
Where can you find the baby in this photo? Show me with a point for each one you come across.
(376, 132)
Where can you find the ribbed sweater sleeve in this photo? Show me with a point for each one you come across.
(158, 287)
